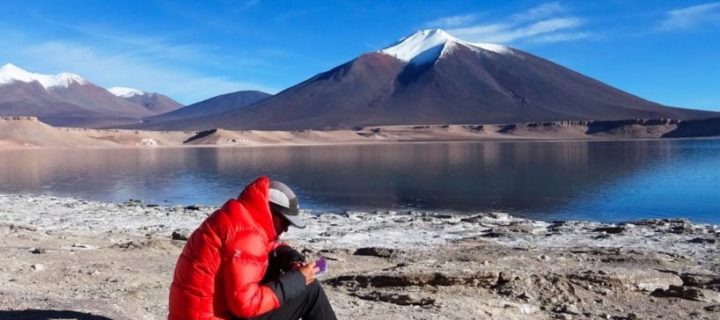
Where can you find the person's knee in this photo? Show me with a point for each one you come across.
(314, 289)
(314, 286)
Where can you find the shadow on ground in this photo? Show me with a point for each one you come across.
(32, 314)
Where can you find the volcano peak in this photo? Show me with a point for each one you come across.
(427, 45)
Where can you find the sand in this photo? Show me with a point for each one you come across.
(75, 259)
(29, 132)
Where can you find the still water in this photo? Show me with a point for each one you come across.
(607, 181)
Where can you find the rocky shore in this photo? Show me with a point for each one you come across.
(75, 259)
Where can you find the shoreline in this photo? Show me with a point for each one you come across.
(116, 260)
(30, 133)
(185, 208)
(344, 144)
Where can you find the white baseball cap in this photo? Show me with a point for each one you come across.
(284, 201)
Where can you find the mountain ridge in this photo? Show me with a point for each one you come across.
(212, 106)
(67, 99)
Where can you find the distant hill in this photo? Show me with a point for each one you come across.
(66, 100)
(29, 132)
(431, 77)
(153, 101)
(213, 106)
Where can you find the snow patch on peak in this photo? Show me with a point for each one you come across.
(9, 67)
(64, 79)
(417, 43)
(124, 92)
(497, 48)
(448, 48)
(11, 73)
(430, 44)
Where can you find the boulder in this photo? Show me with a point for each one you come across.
(403, 299)
(688, 293)
(705, 281)
(374, 252)
(181, 234)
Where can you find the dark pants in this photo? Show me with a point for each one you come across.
(313, 304)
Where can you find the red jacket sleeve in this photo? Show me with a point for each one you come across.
(244, 267)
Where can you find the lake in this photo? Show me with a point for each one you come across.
(606, 181)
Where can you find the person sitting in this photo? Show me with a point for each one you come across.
(234, 267)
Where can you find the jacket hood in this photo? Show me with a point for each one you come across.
(255, 199)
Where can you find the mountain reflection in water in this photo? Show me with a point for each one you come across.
(609, 181)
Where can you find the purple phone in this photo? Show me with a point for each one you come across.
(322, 265)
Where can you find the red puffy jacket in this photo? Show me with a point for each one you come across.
(219, 271)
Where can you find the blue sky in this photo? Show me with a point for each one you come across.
(665, 51)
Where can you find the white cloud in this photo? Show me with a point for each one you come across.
(542, 11)
(453, 21)
(689, 17)
(504, 33)
(541, 28)
(110, 58)
(546, 23)
(126, 69)
(473, 33)
(560, 37)
(149, 47)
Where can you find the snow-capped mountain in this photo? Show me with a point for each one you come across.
(430, 77)
(65, 99)
(10, 73)
(153, 101)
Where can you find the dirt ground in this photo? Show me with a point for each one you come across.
(385, 265)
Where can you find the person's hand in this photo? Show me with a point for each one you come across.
(308, 270)
(286, 258)
(296, 265)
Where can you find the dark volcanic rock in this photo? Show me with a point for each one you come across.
(702, 240)
(128, 245)
(713, 308)
(705, 281)
(374, 252)
(612, 230)
(403, 299)
(181, 234)
(676, 226)
(381, 280)
(492, 234)
(687, 293)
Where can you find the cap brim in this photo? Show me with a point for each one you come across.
(295, 220)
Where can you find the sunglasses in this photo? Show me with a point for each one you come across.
(280, 217)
